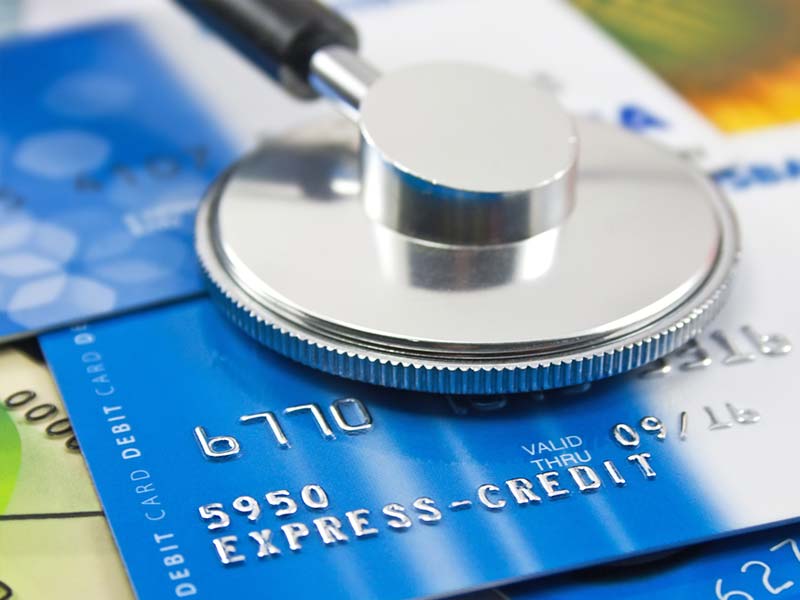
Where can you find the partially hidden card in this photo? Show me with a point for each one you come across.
(735, 62)
(755, 566)
(225, 468)
(54, 540)
(103, 157)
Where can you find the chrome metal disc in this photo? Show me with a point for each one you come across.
(637, 269)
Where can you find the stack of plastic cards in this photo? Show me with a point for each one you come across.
(54, 541)
(273, 466)
(223, 468)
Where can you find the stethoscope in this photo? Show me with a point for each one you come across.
(455, 231)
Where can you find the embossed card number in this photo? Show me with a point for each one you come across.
(349, 414)
(41, 413)
(360, 522)
(769, 582)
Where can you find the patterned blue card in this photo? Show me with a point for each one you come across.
(759, 565)
(103, 158)
(224, 468)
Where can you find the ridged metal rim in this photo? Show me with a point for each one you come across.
(613, 357)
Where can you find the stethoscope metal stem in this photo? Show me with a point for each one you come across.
(342, 76)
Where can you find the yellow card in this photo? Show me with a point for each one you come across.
(54, 540)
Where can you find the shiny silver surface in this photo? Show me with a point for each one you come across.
(465, 154)
(342, 76)
(454, 153)
(637, 269)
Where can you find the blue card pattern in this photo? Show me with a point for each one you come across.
(225, 468)
(103, 159)
(755, 566)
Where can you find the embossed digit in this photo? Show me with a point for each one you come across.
(654, 425)
(281, 498)
(59, 427)
(734, 355)
(319, 418)
(790, 542)
(363, 415)
(773, 344)
(273, 423)
(314, 496)
(732, 594)
(743, 415)
(700, 356)
(249, 506)
(213, 511)
(20, 398)
(625, 435)
(765, 577)
(715, 424)
(40, 412)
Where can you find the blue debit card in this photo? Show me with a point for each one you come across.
(103, 158)
(224, 468)
(755, 566)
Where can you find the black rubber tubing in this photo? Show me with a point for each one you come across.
(280, 36)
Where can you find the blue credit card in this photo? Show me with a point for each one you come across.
(224, 468)
(756, 566)
(104, 156)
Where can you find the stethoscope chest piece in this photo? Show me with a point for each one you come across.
(461, 234)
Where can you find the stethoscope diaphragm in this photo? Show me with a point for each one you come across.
(462, 234)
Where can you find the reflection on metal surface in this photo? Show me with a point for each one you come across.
(296, 259)
(451, 268)
(464, 154)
